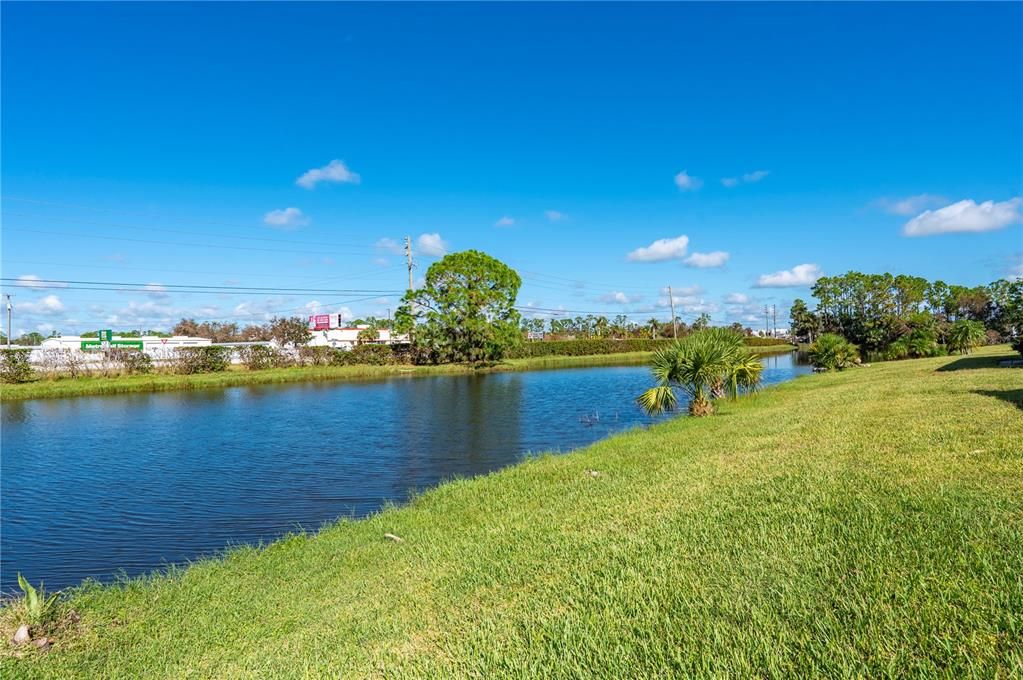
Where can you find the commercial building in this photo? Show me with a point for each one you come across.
(150, 344)
(329, 330)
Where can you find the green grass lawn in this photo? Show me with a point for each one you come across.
(236, 376)
(867, 523)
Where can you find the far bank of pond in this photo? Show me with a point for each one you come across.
(237, 376)
(96, 485)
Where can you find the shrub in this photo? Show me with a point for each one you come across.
(257, 357)
(131, 361)
(314, 356)
(833, 352)
(67, 362)
(587, 346)
(1017, 344)
(917, 344)
(756, 341)
(15, 367)
(706, 365)
(208, 359)
(964, 335)
(365, 355)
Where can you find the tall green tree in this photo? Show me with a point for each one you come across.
(805, 325)
(465, 312)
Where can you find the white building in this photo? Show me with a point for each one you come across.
(150, 344)
(348, 337)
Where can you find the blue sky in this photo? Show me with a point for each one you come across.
(165, 143)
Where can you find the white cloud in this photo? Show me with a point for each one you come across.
(33, 281)
(717, 258)
(747, 178)
(390, 245)
(798, 276)
(381, 261)
(48, 305)
(910, 205)
(432, 245)
(554, 215)
(619, 298)
(288, 218)
(660, 250)
(505, 222)
(155, 290)
(686, 182)
(335, 172)
(965, 216)
(737, 298)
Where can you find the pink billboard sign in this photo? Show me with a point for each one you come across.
(319, 322)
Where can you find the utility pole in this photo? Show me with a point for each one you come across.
(767, 323)
(408, 256)
(674, 321)
(9, 307)
(774, 321)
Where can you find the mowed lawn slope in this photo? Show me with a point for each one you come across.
(866, 523)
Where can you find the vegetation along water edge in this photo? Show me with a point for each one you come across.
(236, 376)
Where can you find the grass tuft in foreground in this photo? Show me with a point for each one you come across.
(866, 523)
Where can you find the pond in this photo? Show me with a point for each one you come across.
(93, 487)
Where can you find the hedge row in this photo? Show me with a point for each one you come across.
(574, 348)
(606, 346)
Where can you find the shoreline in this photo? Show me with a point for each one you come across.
(660, 533)
(238, 377)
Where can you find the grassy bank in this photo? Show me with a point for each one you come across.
(161, 382)
(865, 523)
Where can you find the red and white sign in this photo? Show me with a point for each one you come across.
(319, 322)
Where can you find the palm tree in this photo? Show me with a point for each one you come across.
(654, 325)
(833, 352)
(964, 335)
(705, 365)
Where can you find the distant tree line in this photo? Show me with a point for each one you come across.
(899, 316)
(618, 328)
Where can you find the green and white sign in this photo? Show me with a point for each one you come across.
(116, 344)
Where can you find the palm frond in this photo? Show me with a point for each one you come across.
(658, 400)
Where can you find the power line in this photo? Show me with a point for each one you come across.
(186, 288)
(181, 244)
(360, 275)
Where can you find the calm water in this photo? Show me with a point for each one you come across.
(96, 486)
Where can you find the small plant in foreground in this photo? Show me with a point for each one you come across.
(705, 365)
(833, 352)
(39, 609)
